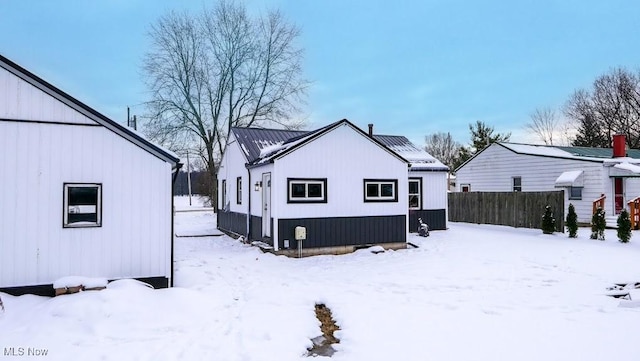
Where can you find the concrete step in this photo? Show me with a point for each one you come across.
(612, 222)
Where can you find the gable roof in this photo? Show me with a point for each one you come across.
(420, 159)
(253, 140)
(89, 112)
(262, 146)
(586, 154)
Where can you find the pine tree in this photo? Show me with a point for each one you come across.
(548, 222)
(598, 224)
(624, 226)
(572, 222)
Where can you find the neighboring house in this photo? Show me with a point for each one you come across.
(348, 188)
(80, 195)
(583, 173)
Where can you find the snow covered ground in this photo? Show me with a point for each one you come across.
(469, 293)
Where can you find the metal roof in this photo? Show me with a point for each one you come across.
(597, 152)
(252, 140)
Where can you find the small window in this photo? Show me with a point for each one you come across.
(575, 193)
(517, 184)
(465, 188)
(239, 190)
(223, 192)
(380, 190)
(415, 198)
(304, 190)
(82, 205)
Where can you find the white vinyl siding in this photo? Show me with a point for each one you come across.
(493, 171)
(135, 237)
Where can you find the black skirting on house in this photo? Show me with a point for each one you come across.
(344, 231)
(232, 221)
(49, 291)
(436, 219)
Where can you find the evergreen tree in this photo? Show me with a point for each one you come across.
(624, 226)
(598, 224)
(572, 222)
(548, 222)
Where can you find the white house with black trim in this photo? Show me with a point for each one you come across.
(585, 174)
(348, 188)
(80, 195)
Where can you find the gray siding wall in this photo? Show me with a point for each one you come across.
(436, 219)
(232, 221)
(343, 231)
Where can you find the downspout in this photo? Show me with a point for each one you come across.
(248, 204)
(173, 186)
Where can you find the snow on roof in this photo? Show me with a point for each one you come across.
(418, 158)
(628, 167)
(578, 153)
(570, 178)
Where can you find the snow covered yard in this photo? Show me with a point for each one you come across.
(470, 293)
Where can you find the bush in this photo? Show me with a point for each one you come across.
(548, 222)
(598, 224)
(624, 226)
(572, 222)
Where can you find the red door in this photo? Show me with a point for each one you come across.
(618, 194)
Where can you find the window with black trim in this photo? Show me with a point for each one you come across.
(307, 190)
(239, 190)
(380, 190)
(517, 184)
(82, 205)
(415, 193)
(224, 193)
(575, 193)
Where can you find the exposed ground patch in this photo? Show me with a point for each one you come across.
(322, 344)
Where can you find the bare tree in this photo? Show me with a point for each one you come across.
(611, 107)
(544, 123)
(443, 147)
(221, 69)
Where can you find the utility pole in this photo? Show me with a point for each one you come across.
(189, 177)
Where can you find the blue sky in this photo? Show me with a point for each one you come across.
(410, 67)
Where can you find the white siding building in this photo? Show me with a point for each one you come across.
(583, 173)
(347, 187)
(80, 195)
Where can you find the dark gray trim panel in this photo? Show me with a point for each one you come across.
(344, 231)
(436, 219)
(48, 291)
(232, 221)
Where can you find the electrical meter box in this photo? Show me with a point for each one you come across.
(301, 233)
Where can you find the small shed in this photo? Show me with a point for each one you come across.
(81, 195)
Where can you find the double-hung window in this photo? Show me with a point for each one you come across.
(82, 205)
(575, 193)
(415, 194)
(517, 184)
(380, 190)
(307, 190)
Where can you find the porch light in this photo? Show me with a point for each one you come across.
(257, 186)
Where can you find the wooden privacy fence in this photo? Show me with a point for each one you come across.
(516, 209)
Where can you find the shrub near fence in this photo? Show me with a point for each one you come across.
(515, 209)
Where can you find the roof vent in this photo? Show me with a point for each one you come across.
(371, 130)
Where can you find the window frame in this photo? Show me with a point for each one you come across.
(380, 198)
(66, 205)
(467, 186)
(239, 190)
(572, 197)
(306, 182)
(223, 195)
(513, 184)
(419, 194)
